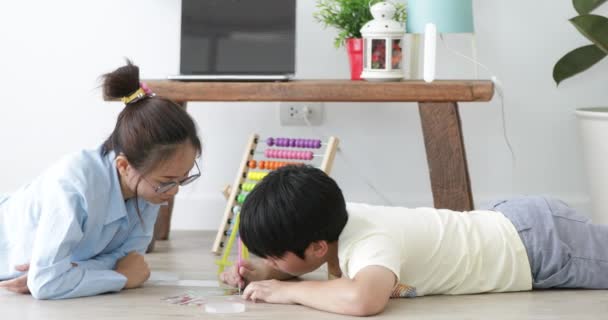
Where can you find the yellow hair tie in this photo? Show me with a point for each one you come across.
(134, 96)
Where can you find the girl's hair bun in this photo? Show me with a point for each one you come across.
(121, 82)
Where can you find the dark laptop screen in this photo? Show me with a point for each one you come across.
(238, 37)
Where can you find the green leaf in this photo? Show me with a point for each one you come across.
(594, 27)
(586, 6)
(576, 61)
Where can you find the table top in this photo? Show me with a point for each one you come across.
(326, 90)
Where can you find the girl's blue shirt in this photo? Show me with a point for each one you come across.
(72, 225)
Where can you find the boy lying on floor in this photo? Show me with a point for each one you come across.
(296, 219)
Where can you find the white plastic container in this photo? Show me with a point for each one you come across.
(593, 130)
(224, 307)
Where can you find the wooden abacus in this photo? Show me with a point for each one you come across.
(296, 151)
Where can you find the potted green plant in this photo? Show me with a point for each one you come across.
(592, 122)
(349, 16)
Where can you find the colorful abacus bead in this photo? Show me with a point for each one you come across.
(273, 165)
(294, 143)
(256, 176)
(251, 164)
(241, 198)
(270, 142)
(236, 209)
(269, 165)
(288, 154)
(247, 187)
(305, 155)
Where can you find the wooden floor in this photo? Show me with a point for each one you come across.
(186, 256)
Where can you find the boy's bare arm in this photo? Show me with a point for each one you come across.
(366, 294)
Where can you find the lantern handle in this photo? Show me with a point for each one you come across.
(369, 3)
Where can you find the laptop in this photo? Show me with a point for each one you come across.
(237, 40)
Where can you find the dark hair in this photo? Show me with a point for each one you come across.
(149, 130)
(291, 208)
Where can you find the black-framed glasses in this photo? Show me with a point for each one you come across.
(166, 186)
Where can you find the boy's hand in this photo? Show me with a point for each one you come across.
(248, 272)
(134, 267)
(19, 284)
(270, 291)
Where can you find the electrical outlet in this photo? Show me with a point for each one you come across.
(295, 113)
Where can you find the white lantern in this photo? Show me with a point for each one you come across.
(382, 45)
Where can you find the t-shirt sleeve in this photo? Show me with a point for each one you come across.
(375, 250)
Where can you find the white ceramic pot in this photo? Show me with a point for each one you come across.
(593, 132)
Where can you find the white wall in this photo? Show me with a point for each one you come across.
(52, 52)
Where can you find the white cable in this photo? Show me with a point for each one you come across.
(347, 160)
(499, 90)
(462, 55)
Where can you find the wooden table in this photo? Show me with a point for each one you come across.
(437, 104)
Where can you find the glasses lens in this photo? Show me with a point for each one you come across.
(189, 180)
(170, 185)
(166, 187)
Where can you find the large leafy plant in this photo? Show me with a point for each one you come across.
(595, 28)
(349, 16)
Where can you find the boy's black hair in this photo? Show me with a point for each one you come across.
(291, 208)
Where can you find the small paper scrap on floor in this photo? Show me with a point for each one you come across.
(200, 297)
(224, 307)
(185, 299)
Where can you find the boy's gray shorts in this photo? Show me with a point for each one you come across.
(564, 248)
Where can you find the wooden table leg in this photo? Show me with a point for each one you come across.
(163, 222)
(162, 225)
(446, 156)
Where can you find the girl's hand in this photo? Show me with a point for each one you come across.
(134, 268)
(19, 284)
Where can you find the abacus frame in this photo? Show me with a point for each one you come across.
(252, 143)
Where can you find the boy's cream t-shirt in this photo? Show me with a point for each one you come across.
(435, 251)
